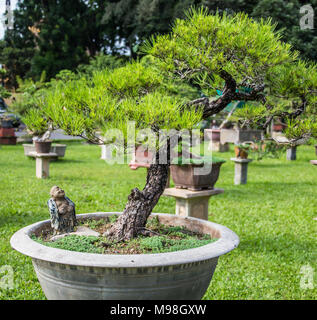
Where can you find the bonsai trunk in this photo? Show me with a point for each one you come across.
(140, 205)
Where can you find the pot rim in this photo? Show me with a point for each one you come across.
(198, 164)
(53, 144)
(45, 141)
(22, 243)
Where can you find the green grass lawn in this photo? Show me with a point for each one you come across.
(273, 216)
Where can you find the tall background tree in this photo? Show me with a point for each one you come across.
(52, 35)
(17, 47)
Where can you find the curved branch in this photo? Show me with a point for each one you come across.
(297, 112)
(215, 106)
(255, 95)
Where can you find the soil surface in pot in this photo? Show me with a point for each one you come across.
(159, 238)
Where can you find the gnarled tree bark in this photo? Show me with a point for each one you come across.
(140, 204)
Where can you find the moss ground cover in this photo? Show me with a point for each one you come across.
(160, 239)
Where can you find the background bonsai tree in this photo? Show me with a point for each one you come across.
(26, 94)
(37, 124)
(292, 95)
(211, 51)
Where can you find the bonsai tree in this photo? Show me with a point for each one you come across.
(293, 98)
(213, 52)
(37, 124)
(28, 107)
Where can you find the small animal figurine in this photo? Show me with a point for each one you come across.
(62, 211)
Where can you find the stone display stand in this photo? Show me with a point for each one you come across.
(192, 203)
(240, 170)
(106, 152)
(291, 153)
(59, 149)
(43, 163)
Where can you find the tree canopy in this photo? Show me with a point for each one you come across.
(244, 58)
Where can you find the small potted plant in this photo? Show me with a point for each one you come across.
(241, 150)
(184, 170)
(40, 129)
(279, 126)
(184, 177)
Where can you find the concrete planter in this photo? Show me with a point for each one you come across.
(42, 146)
(59, 149)
(213, 134)
(175, 275)
(239, 136)
(184, 176)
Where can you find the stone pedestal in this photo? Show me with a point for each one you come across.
(240, 170)
(291, 153)
(43, 163)
(192, 203)
(106, 151)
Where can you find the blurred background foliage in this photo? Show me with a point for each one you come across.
(54, 35)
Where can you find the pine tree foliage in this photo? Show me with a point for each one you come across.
(110, 99)
(244, 58)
